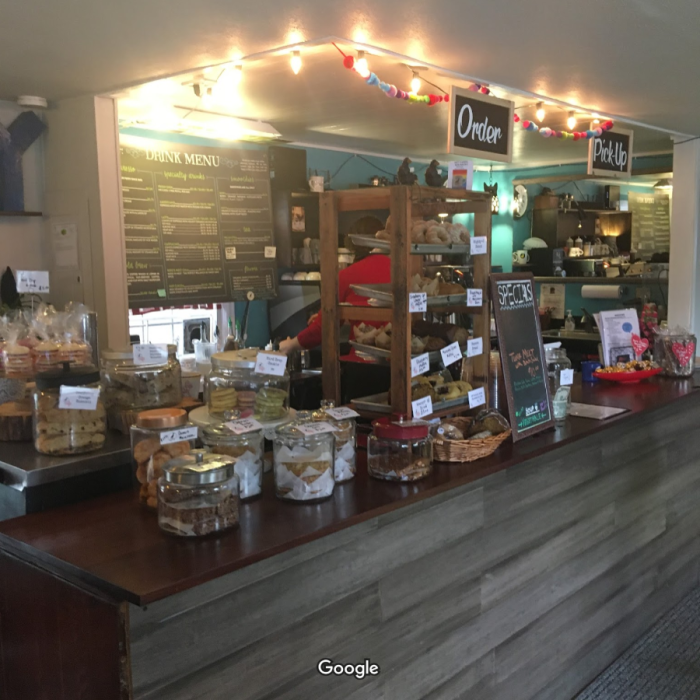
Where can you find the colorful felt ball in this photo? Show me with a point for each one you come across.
(526, 124)
(533, 127)
(577, 136)
(446, 98)
(349, 61)
(598, 132)
(473, 87)
(546, 132)
(384, 87)
(516, 118)
(391, 92)
(590, 134)
(373, 79)
(484, 90)
(559, 134)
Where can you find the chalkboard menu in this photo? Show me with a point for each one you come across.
(522, 354)
(480, 126)
(651, 222)
(610, 153)
(196, 222)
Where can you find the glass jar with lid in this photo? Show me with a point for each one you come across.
(304, 452)
(245, 447)
(198, 495)
(69, 416)
(158, 436)
(558, 362)
(345, 440)
(399, 450)
(233, 384)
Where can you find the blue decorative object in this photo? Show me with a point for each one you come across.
(14, 141)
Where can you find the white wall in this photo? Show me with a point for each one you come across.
(22, 239)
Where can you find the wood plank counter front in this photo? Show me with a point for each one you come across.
(522, 575)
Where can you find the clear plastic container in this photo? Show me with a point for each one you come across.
(153, 444)
(198, 495)
(67, 431)
(345, 442)
(557, 361)
(675, 354)
(247, 451)
(399, 450)
(303, 464)
(233, 384)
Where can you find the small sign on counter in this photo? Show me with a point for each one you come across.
(342, 413)
(422, 407)
(479, 245)
(420, 365)
(451, 353)
(78, 398)
(566, 378)
(475, 346)
(477, 397)
(32, 282)
(417, 302)
(168, 437)
(474, 297)
(243, 425)
(269, 363)
(150, 354)
(318, 428)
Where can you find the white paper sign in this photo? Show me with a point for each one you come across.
(417, 302)
(566, 378)
(420, 365)
(477, 397)
(342, 413)
(150, 354)
(460, 174)
(474, 297)
(244, 425)
(65, 244)
(168, 437)
(451, 354)
(267, 363)
(422, 407)
(475, 346)
(78, 398)
(230, 252)
(315, 428)
(32, 282)
(479, 245)
(270, 251)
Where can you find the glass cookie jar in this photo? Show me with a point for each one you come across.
(233, 384)
(399, 450)
(158, 436)
(345, 440)
(246, 448)
(303, 460)
(198, 495)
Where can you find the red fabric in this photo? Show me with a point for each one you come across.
(374, 269)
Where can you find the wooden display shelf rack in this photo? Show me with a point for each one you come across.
(405, 203)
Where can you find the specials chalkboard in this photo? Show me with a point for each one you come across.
(610, 153)
(196, 222)
(522, 353)
(480, 126)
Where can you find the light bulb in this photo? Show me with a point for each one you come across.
(361, 65)
(415, 83)
(295, 62)
(571, 121)
(237, 74)
(540, 111)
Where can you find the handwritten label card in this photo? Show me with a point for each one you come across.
(566, 378)
(417, 302)
(451, 354)
(315, 428)
(477, 397)
(422, 407)
(270, 251)
(267, 363)
(168, 437)
(150, 354)
(230, 252)
(78, 398)
(474, 297)
(32, 282)
(475, 346)
(342, 413)
(420, 365)
(479, 245)
(244, 425)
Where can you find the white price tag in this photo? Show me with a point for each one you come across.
(566, 378)
(422, 407)
(78, 398)
(270, 251)
(477, 397)
(342, 413)
(32, 282)
(267, 363)
(417, 302)
(315, 428)
(420, 365)
(479, 245)
(451, 354)
(230, 252)
(168, 437)
(150, 354)
(474, 297)
(475, 346)
(244, 425)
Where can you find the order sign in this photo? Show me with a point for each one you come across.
(267, 363)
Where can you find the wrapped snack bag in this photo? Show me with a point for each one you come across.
(46, 352)
(17, 359)
(674, 351)
(72, 348)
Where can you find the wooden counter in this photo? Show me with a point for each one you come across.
(520, 574)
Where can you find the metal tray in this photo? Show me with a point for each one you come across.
(381, 295)
(382, 354)
(416, 248)
(379, 403)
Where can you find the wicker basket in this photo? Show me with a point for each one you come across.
(466, 450)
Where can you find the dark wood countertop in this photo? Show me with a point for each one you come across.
(114, 546)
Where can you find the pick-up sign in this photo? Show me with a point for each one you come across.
(610, 153)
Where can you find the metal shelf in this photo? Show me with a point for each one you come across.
(631, 281)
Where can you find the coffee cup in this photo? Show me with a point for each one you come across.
(316, 183)
(520, 257)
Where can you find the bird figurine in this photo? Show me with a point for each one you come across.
(404, 174)
(432, 175)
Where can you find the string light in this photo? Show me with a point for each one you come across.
(237, 74)
(571, 121)
(540, 111)
(415, 83)
(361, 65)
(295, 62)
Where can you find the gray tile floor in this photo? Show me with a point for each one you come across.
(663, 665)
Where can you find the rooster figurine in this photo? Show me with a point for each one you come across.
(404, 174)
(432, 175)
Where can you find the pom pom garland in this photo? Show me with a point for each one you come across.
(546, 132)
